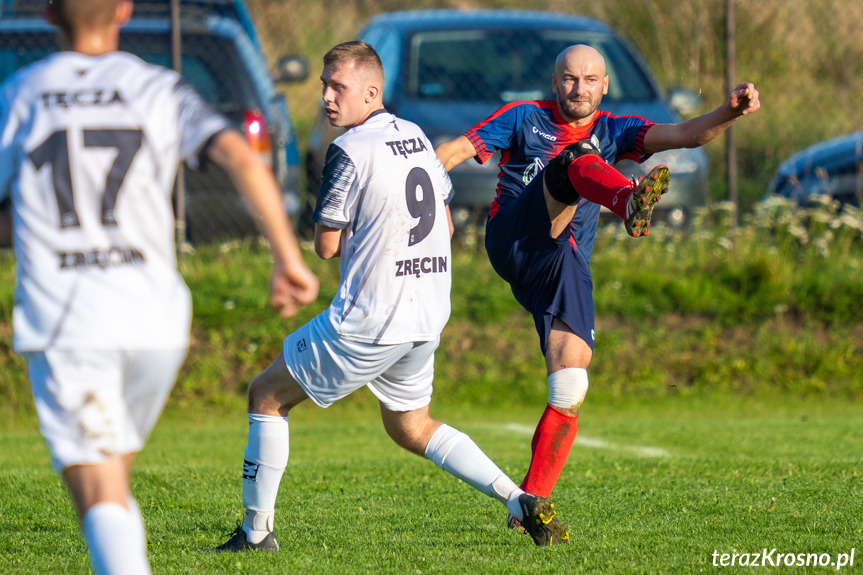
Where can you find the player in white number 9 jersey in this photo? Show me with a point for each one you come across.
(90, 140)
(383, 210)
(383, 201)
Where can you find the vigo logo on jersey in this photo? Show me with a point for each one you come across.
(421, 266)
(101, 258)
(548, 137)
(532, 170)
(406, 147)
(89, 97)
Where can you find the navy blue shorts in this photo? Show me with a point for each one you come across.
(548, 276)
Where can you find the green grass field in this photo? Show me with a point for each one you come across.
(653, 486)
(724, 415)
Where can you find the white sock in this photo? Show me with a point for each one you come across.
(135, 512)
(456, 453)
(113, 538)
(513, 506)
(265, 459)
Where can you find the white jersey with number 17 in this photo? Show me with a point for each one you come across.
(89, 148)
(385, 187)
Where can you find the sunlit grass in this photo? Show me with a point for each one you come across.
(650, 487)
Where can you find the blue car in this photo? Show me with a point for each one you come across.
(223, 60)
(447, 70)
(833, 168)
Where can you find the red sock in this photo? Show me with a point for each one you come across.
(596, 181)
(550, 447)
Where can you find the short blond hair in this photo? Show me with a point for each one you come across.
(360, 54)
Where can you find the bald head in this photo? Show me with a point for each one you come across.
(579, 82)
(578, 56)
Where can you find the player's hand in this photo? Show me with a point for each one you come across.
(744, 99)
(292, 287)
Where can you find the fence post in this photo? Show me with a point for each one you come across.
(730, 84)
(180, 189)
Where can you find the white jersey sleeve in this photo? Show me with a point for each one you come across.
(385, 187)
(90, 149)
(197, 122)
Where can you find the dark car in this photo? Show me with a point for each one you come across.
(447, 70)
(222, 59)
(833, 167)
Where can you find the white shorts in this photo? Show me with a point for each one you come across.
(97, 404)
(329, 367)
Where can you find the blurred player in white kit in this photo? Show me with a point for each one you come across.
(90, 141)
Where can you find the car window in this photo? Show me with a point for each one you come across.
(209, 63)
(387, 47)
(197, 74)
(508, 65)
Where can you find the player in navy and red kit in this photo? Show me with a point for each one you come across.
(540, 231)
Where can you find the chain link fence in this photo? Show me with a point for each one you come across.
(222, 62)
(804, 55)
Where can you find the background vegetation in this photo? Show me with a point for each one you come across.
(805, 57)
(774, 307)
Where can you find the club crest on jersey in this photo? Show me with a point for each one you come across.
(407, 147)
(78, 98)
(532, 170)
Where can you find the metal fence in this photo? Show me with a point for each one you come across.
(220, 53)
(805, 56)
(209, 43)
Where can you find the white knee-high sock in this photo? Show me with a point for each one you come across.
(456, 453)
(138, 519)
(265, 459)
(114, 539)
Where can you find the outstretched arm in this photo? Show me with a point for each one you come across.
(292, 284)
(454, 152)
(698, 131)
